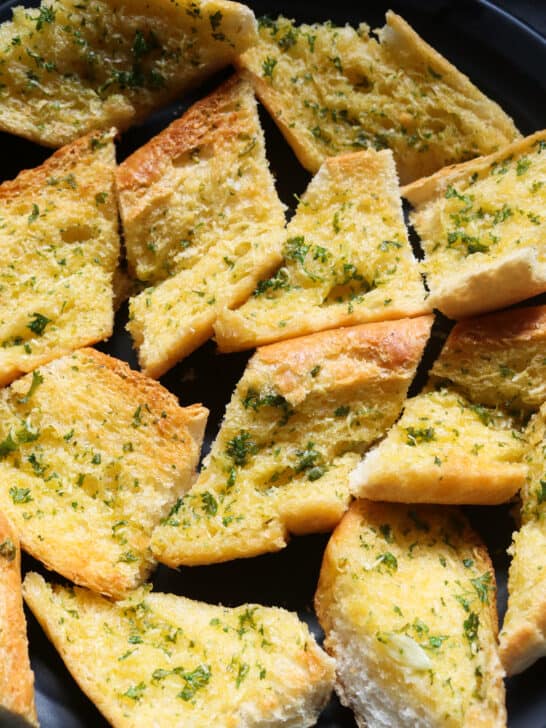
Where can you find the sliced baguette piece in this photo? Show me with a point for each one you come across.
(331, 90)
(523, 635)
(302, 415)
(481, 225)
(68, 66)
(347, 259)
(444, 449)
(202, 221)
(92, 457)
(164, 660)
(497, 360)
(406, 598)
(60, 248)
(16, 677)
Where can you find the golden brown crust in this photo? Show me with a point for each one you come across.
(393, 345)
(498, 330)
(64, 158)
(192, 129)
(423, 190)
(16, 677)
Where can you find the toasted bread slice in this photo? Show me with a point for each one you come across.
(523, 635)
(444, 449)
(332, 90)
(69, 66)
(347, 259)
(406, 598)
(497, 360)
(160, 659)
(481, 225)
(60, 248)
(202, 220)
(302, 415)
(92, 457)
(16, 677)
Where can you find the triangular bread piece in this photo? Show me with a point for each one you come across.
(406, 598)
(299, 420)
(481, 225)
(347, 260)
(92, 457)
(523, 635)
(444, 449)
(462, 440)
(16, 677)
(202, 221)
(335, 89)
(60, 248)
(161, 659)
(67, 66)
(497, 360)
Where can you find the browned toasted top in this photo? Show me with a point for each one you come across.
(499, 329)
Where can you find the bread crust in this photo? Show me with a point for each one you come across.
(421, 191)
(360, 686)
(16, 676)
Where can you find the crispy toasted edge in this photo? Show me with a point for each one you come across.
(497, 330)
(191, 419)
(203, 119)
(14, 643)
(324, 596)
(65, 158)
(427, 189)
(399, 31)
(395, 344)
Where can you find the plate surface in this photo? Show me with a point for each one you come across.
(506, 59)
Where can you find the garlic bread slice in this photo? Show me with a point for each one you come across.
(347, 260)
(445, 449)
(164, 660)
(523, 635)
(482, 226)
(92, 457)
(497, 360)
(332, 90)
(70, 66)
(406, 598)
(202, 221)
(16, 677)
(60, 246)
(299, 420)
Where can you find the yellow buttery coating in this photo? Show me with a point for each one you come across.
(92, 456)
(523, 635)
(70, 66)
(202, 220)
(160, 659)
(60, 245)
(332, 90)
(347, 259)
(481, 225)
(444, 449)
(302, 415)
(406, 598)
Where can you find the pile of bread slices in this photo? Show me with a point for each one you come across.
(98, 462)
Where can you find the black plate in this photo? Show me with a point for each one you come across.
(506, 59)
